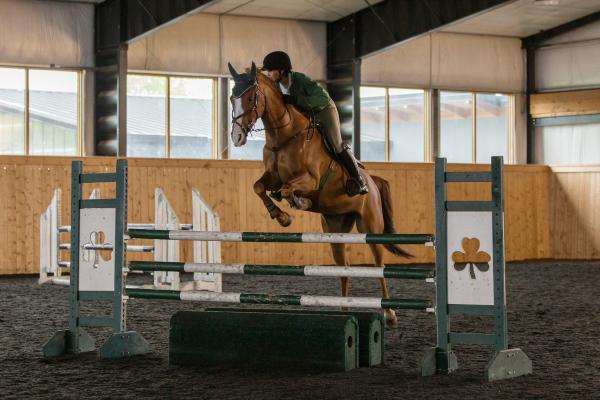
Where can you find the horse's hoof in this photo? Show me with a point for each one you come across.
(302, 203)
(284, 219)
(286, 193)
(390, 318)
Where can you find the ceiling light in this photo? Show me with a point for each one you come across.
(546, 2)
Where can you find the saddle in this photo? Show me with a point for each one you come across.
(329, 149)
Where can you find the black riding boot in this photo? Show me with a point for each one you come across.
(356, 184)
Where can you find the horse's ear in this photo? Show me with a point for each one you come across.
(232, 70)
(253, 70)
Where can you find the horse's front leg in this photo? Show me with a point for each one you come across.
(291, 190)
(260, 188)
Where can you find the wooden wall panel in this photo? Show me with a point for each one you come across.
(574, 212)
(547, 215)
(555, 104)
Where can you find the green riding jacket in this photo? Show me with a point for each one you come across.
(308, 94)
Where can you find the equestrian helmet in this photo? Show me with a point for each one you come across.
(277, 60)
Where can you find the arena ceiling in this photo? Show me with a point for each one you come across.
(314, 10)
(524, 18)
(517, 18)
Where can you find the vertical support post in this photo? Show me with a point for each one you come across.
(530, 59)
(499, 267)
(76, 195)
(119, 247)
(440, 359)
(223, 119)
(356, 134)
(435, 123)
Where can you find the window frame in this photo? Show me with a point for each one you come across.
(214, 94)
(426, 120)
(511, 116)
(432, 109)
(79, 144)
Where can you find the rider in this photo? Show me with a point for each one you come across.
(306, 94)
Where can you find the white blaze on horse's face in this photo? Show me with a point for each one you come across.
(238, 135)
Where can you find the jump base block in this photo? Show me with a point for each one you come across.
(266, 341)
(371, 343)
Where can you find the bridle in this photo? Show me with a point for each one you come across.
(250, 129)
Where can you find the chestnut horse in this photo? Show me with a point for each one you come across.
(299, 169)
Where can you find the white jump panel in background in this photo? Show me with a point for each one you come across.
(96, 268)
(165, 250)
(471, 284)
(49, 238)
(205, 219)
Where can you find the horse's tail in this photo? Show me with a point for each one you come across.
(388, 215)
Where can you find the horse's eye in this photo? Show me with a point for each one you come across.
(250, 100)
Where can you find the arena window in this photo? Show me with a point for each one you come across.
(475, 125)
(170, 116)
(392, 124)
(40, 112)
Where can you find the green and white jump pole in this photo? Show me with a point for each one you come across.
(468, 276)
(350, 238)
(288, 270)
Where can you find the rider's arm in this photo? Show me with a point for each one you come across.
(310, 96)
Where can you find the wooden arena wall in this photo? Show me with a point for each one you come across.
(549, 214)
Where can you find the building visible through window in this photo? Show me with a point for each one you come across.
(170, 116)
(52, 127)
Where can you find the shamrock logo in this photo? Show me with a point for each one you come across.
(472, 257)
(96, 239)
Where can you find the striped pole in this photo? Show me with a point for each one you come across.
(184, 227)
(281, 299)
(67, 282)
(136, 248)
(369, 238)
(287, 270)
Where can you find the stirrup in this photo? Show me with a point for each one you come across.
(355, 187)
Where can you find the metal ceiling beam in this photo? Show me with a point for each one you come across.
(392, 21)
(122, 21)
(117, 23)
(536, 40)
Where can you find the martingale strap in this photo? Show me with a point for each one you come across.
(330, 170)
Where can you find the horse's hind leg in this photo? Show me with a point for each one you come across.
(339, 224)
(371, 224)
(390, 315)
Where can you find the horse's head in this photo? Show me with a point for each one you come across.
(247, 103)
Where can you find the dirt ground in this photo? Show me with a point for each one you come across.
(552, 314)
